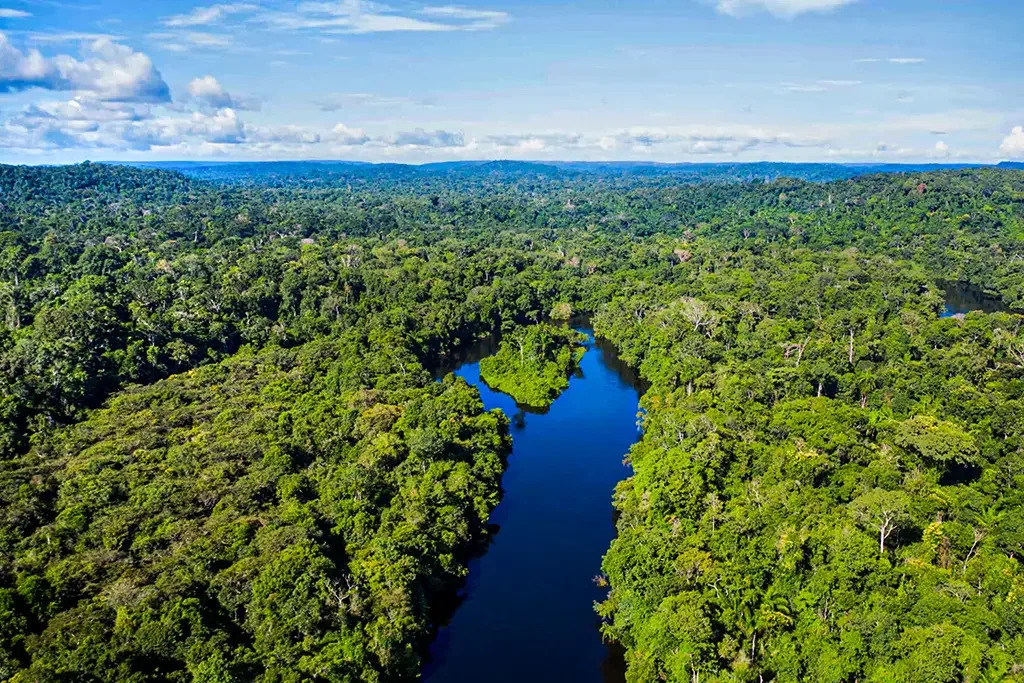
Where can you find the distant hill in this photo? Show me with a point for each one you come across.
(326, 173)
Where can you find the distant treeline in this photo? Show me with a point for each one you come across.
(330, 173)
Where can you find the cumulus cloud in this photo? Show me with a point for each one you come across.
(201, 16)
(83, 123)
(343, 135)
(1013, 144)
(780, 8)
(109, 71)
(208, 92)
(20, 70)
(80, 109)
(75, 123)
(222, 127)
(537, 141)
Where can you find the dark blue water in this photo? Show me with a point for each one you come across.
(962, 298)
(527, 613)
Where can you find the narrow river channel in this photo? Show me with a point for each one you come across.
(526, 613)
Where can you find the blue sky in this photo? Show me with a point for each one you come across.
(664, 80)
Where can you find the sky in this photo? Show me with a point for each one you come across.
(661, 80)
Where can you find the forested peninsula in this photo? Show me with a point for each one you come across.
(224, 454)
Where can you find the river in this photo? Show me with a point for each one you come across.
(527, 608)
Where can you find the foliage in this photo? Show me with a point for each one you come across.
(283, 515)
(222, 456)
(533, 363)
(820, 493)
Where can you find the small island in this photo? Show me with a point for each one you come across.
(533, 364)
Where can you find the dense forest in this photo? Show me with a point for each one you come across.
(224, 455)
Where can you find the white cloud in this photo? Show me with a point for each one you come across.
(222, 127)
(801, 87)
(20, 70)
(52, 38)
(1013, 144)
(343, 135)
(720, 140)
(476, 19)
(202, 16)
(363, 16)
(82, 109)
(209, 119)
(780, 8)
(538, 141)
(338, 101)
(201, 39)
(183, 41)
(109, 71)
(823, 85)
(208, 92)
(286, 135)
(114, 72)
(891, 60)
(426, 138)
(13, 13)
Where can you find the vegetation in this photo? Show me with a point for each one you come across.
(223, 456)
(285, 515)
(533, 364)
(828, 487)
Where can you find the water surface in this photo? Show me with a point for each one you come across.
(963, 297)
(527, 610)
